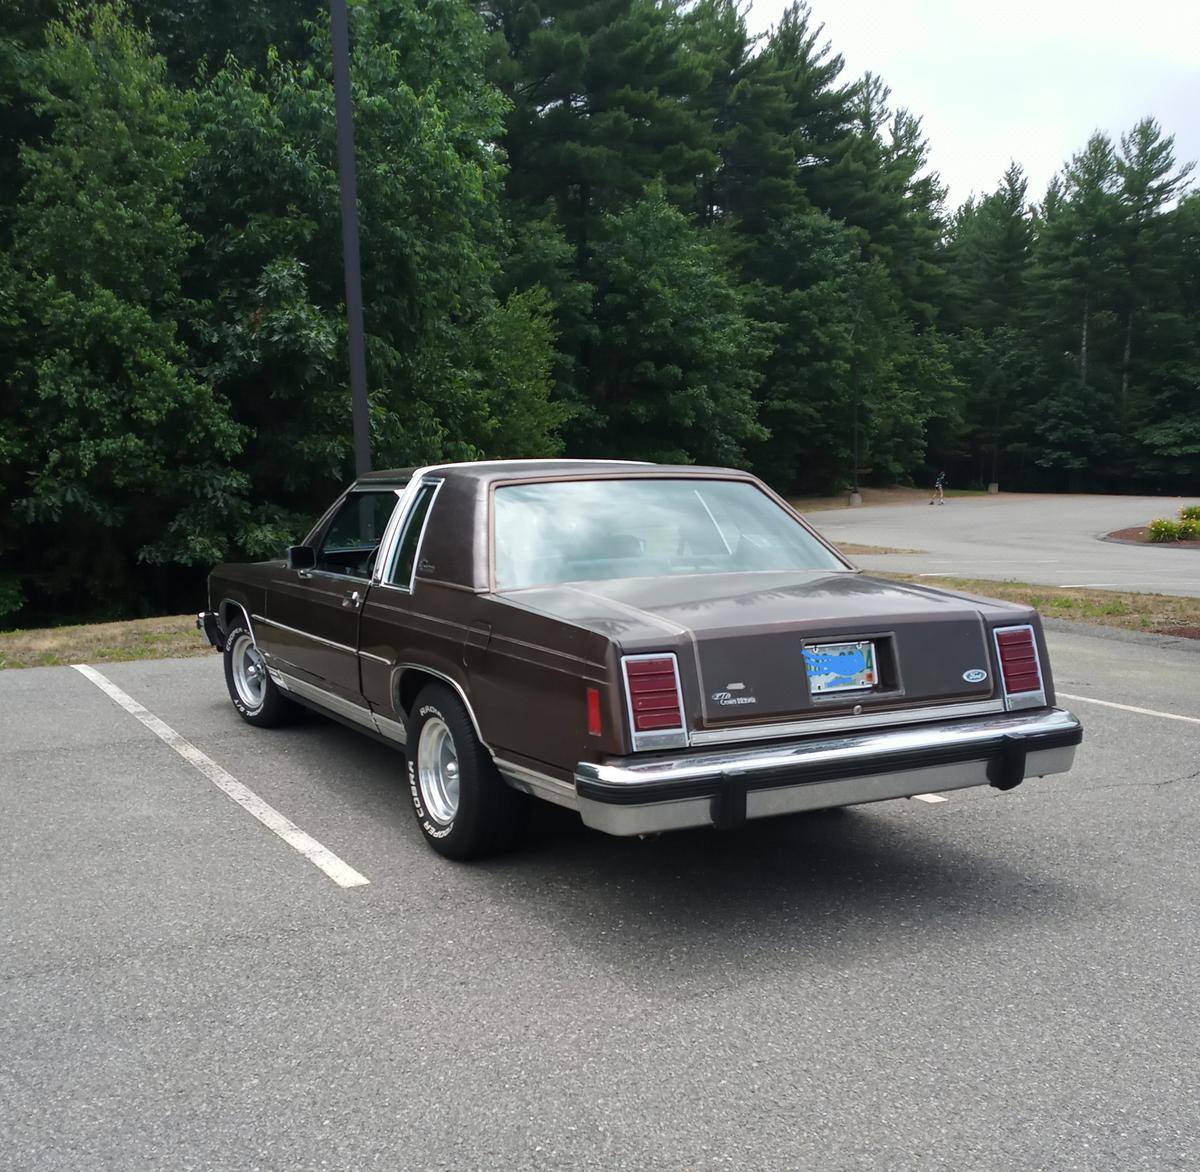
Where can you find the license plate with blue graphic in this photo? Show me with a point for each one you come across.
(840, 667)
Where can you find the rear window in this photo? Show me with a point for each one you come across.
(594, 530)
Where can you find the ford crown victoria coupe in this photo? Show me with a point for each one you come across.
(656, 647)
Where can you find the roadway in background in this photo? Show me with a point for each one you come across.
(1026, 537)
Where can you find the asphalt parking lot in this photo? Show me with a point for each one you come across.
(1028, 537)
(994, 981)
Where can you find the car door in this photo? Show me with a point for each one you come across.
(313, 615)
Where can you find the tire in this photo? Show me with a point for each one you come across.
(463, 806)
(254, 694)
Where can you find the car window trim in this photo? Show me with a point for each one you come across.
(402, 532)
(658, 472)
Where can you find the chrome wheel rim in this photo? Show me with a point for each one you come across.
(437, 770)
(249, 672)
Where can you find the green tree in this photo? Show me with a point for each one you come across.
(116, 452)
(189, 32)
(989, 258)
(676, 360)
(1150, 182)
(264, 198)
(601, 104)
(1167, 424)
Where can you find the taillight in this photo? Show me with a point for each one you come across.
(655, 700)
(1020, 667)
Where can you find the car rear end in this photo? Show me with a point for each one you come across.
(859, 717)
(751, 671)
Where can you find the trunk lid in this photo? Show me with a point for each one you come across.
(748, 631)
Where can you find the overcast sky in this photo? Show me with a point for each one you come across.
(1018, 79)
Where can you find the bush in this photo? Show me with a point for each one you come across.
(1164, 529)
(1190, 513)
(1189, 529)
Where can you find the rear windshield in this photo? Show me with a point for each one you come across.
(592, 530)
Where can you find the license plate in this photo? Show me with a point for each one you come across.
(840, 667)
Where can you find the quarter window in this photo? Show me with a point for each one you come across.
(405, 563)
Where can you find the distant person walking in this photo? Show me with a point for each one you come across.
(939, 490)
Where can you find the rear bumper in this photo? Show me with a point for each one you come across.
(645, 795)
(208, 623)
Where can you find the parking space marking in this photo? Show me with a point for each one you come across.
(339, 871)
(1131, 708)
(931, 798)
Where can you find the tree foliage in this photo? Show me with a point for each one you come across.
(600, 227)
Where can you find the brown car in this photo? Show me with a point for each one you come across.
(656, 647)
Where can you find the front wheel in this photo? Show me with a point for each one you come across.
(254, 694)
(463, 806)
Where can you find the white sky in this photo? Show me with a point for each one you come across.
(1021, 80)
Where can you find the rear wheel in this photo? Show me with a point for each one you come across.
(463, 806)
(254, 694)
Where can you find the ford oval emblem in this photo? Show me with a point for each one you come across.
(975, 675)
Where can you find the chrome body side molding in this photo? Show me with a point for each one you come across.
(540, 785)
(305, 634)
(393, 730)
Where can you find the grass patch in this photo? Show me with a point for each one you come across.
(161, 638)
(852, 547)
(1163, 614)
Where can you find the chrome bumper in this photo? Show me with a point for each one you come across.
(644, 795)
(208, 623)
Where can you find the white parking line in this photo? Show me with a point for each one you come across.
(1131, 708)
(340, 872)
(931, 798)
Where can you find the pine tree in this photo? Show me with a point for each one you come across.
(601, 94)
(1150, 181)
(676, 358)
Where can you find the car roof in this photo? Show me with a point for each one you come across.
(489, 470)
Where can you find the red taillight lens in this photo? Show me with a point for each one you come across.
(595, 720)
(653, 693)
(1019, 660)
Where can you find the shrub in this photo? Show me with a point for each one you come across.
(1164, 529)
(1190, 513)
(1189, 529)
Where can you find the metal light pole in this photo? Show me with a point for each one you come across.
(347, 177)
(855, 492)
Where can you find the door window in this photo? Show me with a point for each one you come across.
(353, 536)
(405, 564)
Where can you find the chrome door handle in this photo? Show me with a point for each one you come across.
(352, 599)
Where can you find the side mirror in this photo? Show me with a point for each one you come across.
(301, 557)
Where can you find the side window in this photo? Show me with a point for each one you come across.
(353, 535)
(406, 553)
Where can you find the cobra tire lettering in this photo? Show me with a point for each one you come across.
(427, 824)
